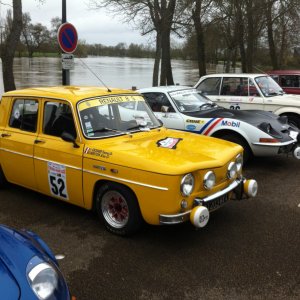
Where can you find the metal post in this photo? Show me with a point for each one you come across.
(65, 73)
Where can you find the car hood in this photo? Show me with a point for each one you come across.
(152, 151)
(284, 100)
(9, 288)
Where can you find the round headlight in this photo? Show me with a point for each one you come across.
(209, 180)
(187, 184)
(239, 162)
(43, 280)
(232, 170)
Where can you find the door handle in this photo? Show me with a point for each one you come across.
(5, 135)
(39, 142)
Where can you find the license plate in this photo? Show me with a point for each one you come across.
(216, 203)
(293, 134)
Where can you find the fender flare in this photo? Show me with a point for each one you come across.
(287, 110)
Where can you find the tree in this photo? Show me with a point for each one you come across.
(34, 35)
(9, 46)
(149, 16)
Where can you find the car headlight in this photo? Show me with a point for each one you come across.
(187, 184)
(267, 128)
(209, 180)
(239, 162)
(232, 170)
(43, 279)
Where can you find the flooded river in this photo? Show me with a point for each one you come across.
(122, 72)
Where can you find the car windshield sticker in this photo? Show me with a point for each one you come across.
(17, 114)
(108, 100)
(57, 180)
(168, 142)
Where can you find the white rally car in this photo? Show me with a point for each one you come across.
(260, 133)
(250, 91)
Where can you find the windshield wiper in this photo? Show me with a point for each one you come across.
(141, 127)
(108, 129)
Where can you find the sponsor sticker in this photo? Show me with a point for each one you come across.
(168, 142)
(97, 152)
(191, 127)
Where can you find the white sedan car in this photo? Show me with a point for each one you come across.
(250, 91)
(259, 133)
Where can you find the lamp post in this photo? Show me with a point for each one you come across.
(65, 73)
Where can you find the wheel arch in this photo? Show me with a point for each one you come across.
(102, 182)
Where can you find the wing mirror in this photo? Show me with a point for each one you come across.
(68, 137)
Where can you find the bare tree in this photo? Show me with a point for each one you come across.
(9, 46)
(149, 16)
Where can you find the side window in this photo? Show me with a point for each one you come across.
(24, 115)
(157, 100)
(252, 89)
(58, 118)
(235, 86)
(289, 81)
(210, 86)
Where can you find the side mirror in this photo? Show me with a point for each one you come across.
(165, 109)
(68, 137)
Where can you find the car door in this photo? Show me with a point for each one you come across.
(233, 92)
(58, 163)
(164, 110)
(17, 141)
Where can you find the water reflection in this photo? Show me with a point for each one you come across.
(114, 71)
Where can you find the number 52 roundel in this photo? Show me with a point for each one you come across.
(57, 180)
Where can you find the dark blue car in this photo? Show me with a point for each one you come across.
(28, 268)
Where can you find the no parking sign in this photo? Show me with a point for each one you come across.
(67, 37)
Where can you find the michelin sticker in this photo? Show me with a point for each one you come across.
(57, 180)
(168, 142)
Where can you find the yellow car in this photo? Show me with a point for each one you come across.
(91, 147)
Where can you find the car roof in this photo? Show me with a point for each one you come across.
(164, 89)
(252, 75)
(71, 93)
(284, 72)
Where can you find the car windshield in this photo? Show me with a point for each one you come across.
(268, 86)
(101, 117)
(191, 100)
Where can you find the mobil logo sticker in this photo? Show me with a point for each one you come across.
(230, 123)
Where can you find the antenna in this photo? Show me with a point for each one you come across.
(108, 89)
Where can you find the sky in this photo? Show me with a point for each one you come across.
(92, 26)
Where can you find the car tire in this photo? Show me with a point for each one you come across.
(3, 181)
(294, 120)
(118, 208)
(240, 141)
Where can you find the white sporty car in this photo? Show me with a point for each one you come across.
(260, 133)
(250, 91)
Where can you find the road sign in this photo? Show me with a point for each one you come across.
(67, 61)
(67, 37)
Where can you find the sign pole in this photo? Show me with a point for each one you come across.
(65, 73)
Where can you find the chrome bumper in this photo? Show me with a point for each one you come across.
(182, 217)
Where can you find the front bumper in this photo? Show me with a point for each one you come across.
(237, 186)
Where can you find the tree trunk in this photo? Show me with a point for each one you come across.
(9, 47)
(250, 37)
(272, 47)
(157, 60)
(200, 39)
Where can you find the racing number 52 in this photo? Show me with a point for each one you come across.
(58, 186)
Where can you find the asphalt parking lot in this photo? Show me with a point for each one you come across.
(248, 250)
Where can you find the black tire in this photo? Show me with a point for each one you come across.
(240, 141)
(118, 208)
(294, 120)
(3, 181)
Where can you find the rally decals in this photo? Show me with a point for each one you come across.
(191, 127)
(57, 179)
(230, 123)
(209, 126)
(97, 152)
(168, 142)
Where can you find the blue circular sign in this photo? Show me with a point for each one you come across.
(67, 37)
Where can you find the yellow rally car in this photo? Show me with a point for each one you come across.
(90, 146)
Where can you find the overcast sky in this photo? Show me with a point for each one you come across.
(92, 26)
